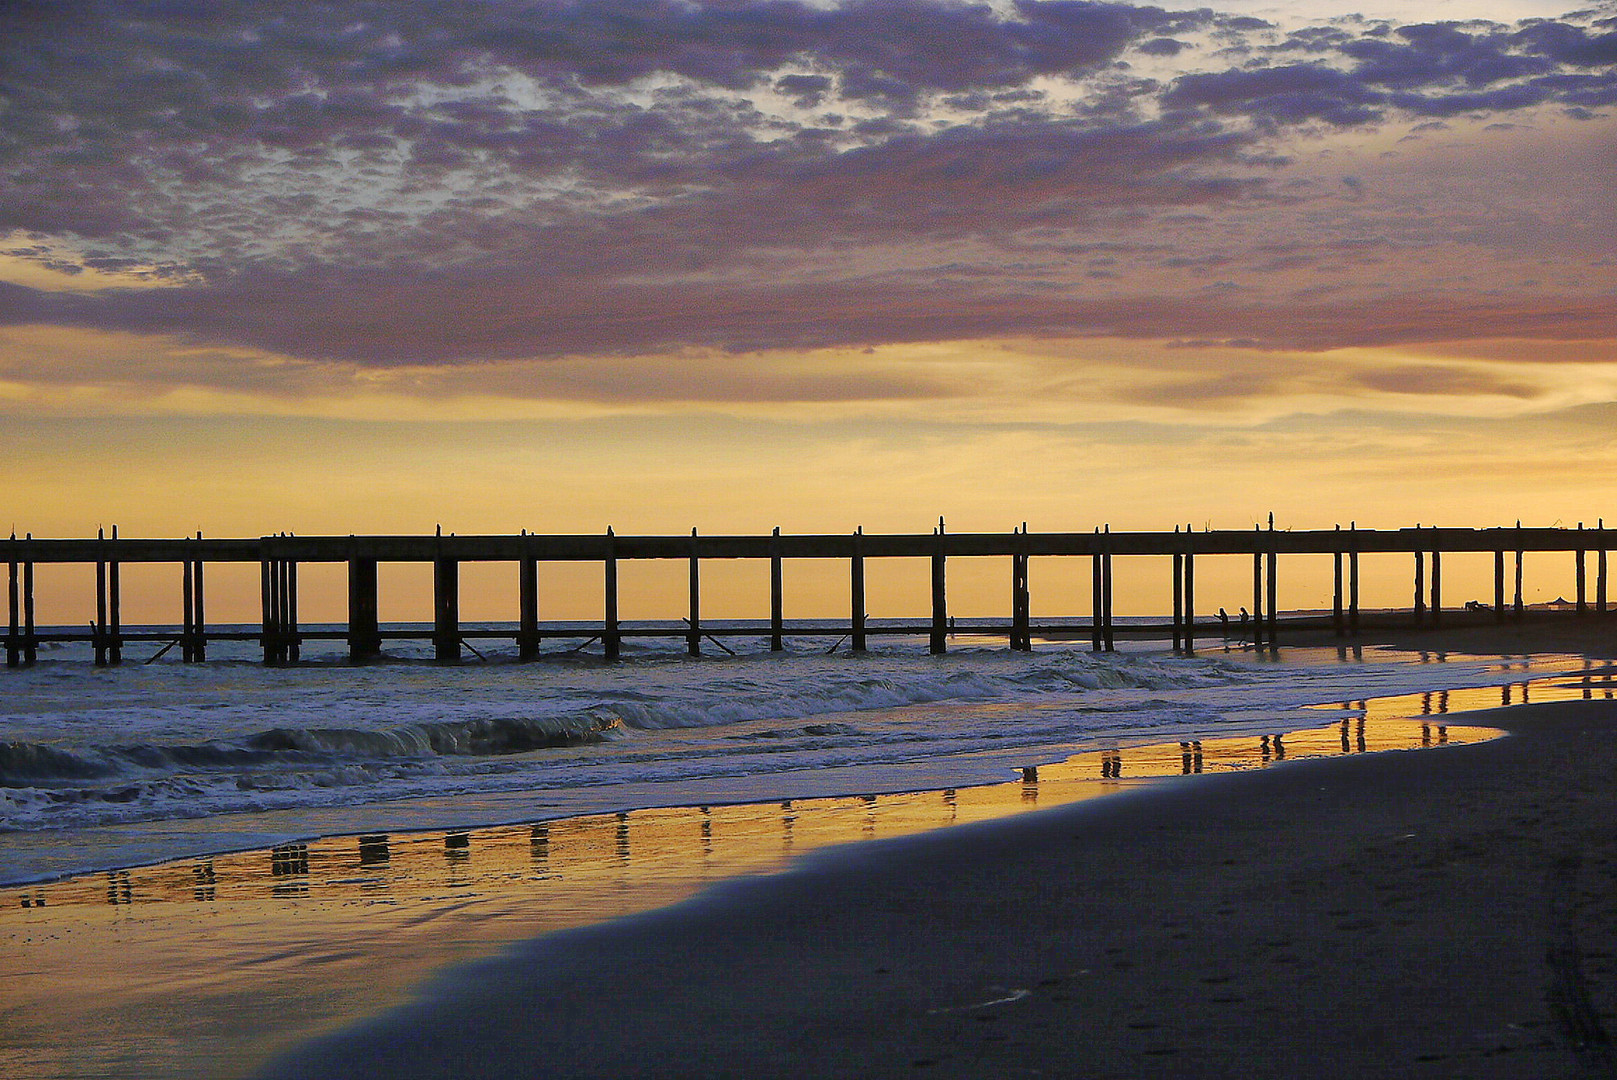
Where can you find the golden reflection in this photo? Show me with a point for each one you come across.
(259, 949)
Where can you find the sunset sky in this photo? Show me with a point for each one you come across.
(371, 267)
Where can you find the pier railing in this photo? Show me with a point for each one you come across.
(279, 557)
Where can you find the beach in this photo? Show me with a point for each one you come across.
(1319, 900)
(1404, 914)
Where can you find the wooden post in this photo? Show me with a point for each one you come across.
(30, 643)
(611, 640)
(858, 577)
(292, 644)
(1498, 586)
(187, 603)
(1583, 606)
(1096, 594)
(364, 624)
(1178, 597)
(100, 606)
(1600, 573)
(1106, 593)
(777, 618)
(1021, 635)
(199, 609)
(267, 603)
(1418, 612)
(1274, 604)
(1257, 595)
(1437, 587)
(1519, 606)
(13, 642)
(940, 600)
(693, 638)
(1353, 580)
(1190, 591)
(527, 603)
(1336, 590)
(115, 640)
(445, 609)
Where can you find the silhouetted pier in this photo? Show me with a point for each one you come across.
(279, 558)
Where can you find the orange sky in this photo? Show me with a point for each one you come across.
(1122, 265)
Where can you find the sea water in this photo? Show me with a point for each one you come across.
(125, 765)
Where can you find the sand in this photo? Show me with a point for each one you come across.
(1404, 914)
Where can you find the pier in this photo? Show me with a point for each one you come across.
(279, 557)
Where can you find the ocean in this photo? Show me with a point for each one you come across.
(102, 768)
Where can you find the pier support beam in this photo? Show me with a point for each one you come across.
(1021, 600)
(1499, 586)
(269, 600)
(1578, 562)
(1338, 626)
(527, 605)
(1190, 594)
(194, 632)
(1258, 634)
(1109, 635)
(611, 640)
(1437, 587)
(1096, 596)
(278, 585)
(1519, 607)
(30, 641)
(188, 606)
(693, 638)
(857, 575)
(13, 638)
(940, 600)
(1353, 581)
(364, 628)
(446, 610)
(1274, 599)
(101, 606)
(291, 644)
(1418, 612)
(777, 618)
(1178, 600)
(1600, 573)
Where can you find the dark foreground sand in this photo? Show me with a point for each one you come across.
(1409, 914)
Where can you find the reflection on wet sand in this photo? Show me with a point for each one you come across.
(202, 967)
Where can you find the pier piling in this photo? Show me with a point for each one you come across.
(1190, 592)
(611, 638)
(693, 639)
(13, 638)
(940, 600)
(776, 603)
(1418, 612)
(1096, 595)
(527, 604)
(1338, 625)
(1498, 586)
(857, 575)
(364, 627)
(446, 610)
(1437, 587)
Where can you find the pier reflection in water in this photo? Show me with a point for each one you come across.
(202, 967)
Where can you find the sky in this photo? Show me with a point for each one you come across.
(378, 267)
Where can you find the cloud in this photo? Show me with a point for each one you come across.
(449, 182)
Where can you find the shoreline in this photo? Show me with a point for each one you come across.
(1322, 919)
(290, 941)
(259, 830)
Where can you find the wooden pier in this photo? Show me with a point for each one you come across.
(279, 557)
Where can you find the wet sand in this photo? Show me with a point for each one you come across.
(1405, 914)
(204, 967)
